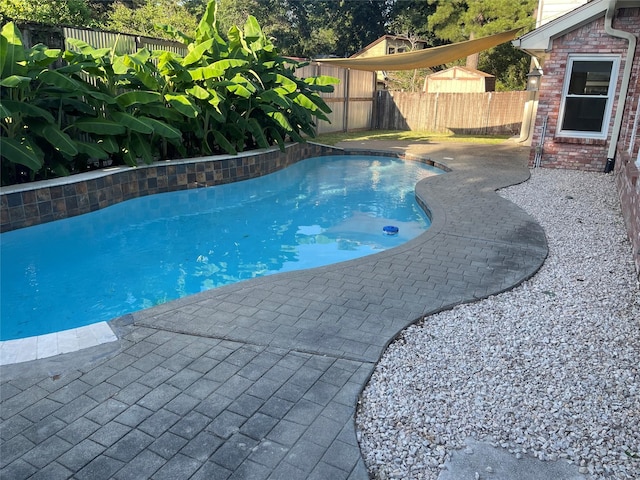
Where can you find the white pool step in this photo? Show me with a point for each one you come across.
(43, 346)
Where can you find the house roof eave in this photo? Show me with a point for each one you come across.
(382, 39)
(371, 45)
(539, 42)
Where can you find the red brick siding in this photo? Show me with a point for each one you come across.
(591, 155)
(628, 182)
(575, 153)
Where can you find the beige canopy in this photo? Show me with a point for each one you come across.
(428, 57)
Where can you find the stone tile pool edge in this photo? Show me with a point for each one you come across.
(29, 204)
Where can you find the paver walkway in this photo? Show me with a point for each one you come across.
(260, 380)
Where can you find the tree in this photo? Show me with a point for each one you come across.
(236, 12)
(330, 27)
(410, 18)
(77, 13)
(271, 13)
(367, 22)
(459, 20)
(509, 65)
(144, 19)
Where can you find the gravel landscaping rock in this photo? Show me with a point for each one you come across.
(549, 369)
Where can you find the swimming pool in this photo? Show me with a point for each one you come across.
(154, 249)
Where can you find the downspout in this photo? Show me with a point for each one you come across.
(624, 87)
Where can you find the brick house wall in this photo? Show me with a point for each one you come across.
(627, 167)
(581, 153)
(591, 154)
(628, 184)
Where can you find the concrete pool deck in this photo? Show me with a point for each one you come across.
(261, 379)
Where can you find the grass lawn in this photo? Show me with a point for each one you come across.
(333, 138)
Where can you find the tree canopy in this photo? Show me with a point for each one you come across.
(56, 12)
(146, 18)
(313, 28)
(458, 20)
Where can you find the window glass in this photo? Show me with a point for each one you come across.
(590, 78)
(588, 96)
(584, 114)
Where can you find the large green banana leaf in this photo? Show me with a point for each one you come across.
(57, 138)
(132, 123)
(23, 109)
(137, 97)
(100, 126)
(12, 52)
(16, 152)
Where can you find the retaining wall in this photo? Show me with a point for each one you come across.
(33, 203)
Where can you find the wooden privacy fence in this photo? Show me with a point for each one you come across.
(490, 113)
(351, 101)
(56, 37)
(124, 43)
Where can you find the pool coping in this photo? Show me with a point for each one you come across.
(39, 347)
(478, 245)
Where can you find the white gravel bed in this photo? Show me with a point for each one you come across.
(550, 368)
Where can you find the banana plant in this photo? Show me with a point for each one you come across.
(33, 103)
(239, 93)
(282, 104)
(128, 118)
(222, 96)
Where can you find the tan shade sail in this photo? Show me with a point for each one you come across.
(428, 57)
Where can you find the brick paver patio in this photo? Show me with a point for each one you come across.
(260, 380)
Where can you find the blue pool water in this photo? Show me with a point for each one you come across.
(154, 249)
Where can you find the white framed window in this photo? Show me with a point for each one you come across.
(588, 95)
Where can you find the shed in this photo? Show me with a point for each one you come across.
(459, 80)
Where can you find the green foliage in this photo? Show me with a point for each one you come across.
(223, 96)
(32, 106)
(236, 12)
(309, 28)
(125, 108)
(459, 20)
(407, 80)
(144, 19)
(408, 18)
(52, 12)
(508, 64)
(239, 93)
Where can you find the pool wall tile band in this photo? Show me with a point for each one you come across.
(30, 204)
(40, 202)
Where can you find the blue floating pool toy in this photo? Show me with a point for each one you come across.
(390, 230)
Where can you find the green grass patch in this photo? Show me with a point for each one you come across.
(411, 136)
